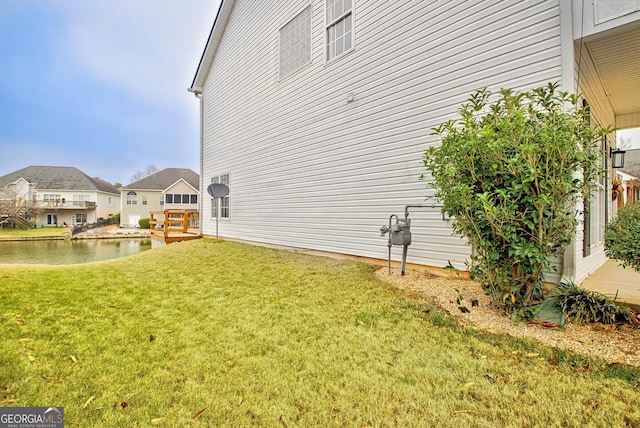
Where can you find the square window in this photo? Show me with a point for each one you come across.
(295, 43)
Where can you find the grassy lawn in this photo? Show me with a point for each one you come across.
(36, 232)
(224, 334)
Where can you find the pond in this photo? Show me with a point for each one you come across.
(60, 252)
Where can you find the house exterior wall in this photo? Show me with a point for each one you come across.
(107, 204)
(181, 188)
(130, 213)
(72, 211)
(23, 190)
(309, 168)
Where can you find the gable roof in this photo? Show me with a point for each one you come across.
(164, 179)
(632, 163)
(222, 17)
(59, 178)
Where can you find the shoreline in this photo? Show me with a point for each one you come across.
(109, 232)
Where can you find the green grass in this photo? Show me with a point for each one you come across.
(36, 232)
(223, 334)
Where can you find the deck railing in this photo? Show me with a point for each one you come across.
(66, 205)
(170, 224)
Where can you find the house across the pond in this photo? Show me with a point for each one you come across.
(55, 196)
(168, 189)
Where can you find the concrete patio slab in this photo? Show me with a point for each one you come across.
(611, 278)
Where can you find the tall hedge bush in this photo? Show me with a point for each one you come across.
(622, 236)
(510, 173)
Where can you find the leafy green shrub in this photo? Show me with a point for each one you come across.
(585, 306)
(510, 175)
(144, 223)
(114, 218)
(622, 237)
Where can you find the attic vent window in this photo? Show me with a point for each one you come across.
(339, 27)
(295, 43)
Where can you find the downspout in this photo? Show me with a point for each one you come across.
(198, 95)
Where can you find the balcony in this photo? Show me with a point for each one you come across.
(67, 205)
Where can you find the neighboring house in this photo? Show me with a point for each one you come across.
(56, 195)
(169, 189)
(629, 178)
(317, 113)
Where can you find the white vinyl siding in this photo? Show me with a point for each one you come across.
(311, 169)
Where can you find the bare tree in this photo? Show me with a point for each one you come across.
(149, 170)
(624, 143)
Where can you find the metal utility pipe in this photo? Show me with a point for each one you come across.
(406, 208)
(405, 248)
(389, 244)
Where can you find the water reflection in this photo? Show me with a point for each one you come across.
(69, 252)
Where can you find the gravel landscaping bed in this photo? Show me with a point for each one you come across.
(614, 343)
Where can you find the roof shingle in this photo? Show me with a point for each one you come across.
(58, 178)
(165, 178)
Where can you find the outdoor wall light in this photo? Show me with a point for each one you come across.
(617, 157)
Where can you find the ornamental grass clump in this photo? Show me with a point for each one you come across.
(622, 237)
(586, 306)
(510, 174)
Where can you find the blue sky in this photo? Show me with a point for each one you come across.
(101, 85)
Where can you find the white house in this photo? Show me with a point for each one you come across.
(169, 189)
(57, 195)
(316, 113)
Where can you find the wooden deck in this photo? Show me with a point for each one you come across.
(174, 225)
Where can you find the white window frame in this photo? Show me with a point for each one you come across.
(80, 200)
(131, 198)
(224, 202)
(598, 204)
(294, 39)
(335, 19)
(79, 218)
(51, 197)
